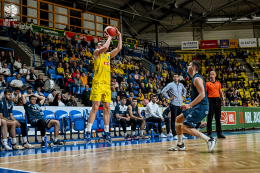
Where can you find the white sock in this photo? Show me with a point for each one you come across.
(179, 139)
(125, 134)
(43, 138)
(14, 141)
(133, 133)
(89, 127)
(5, 141)
(56, 139)
(24, 139)
(106, 129)
(142, 132)
(202, 136)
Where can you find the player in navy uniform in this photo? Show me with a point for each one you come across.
(194, 112)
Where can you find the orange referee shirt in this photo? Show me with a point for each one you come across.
(213, 89)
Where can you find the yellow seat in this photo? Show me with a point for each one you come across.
(251, 89)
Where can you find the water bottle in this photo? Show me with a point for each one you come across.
(152, 133)
(45, 141)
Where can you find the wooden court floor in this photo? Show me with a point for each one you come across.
(238, 153)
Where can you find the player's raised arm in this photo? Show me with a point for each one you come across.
(101, 49)
(198, 83)
(114, 52)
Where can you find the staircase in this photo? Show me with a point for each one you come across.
(29, 52)
(249, 71)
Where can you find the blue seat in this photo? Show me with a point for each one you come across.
(112, 122)
(9, 79)
(18, 115)
(79, 91)
(46, 94)
(53, 76)
(23, 80)
(149, 124)
(59, 116)
(79, 122)
(49, 115)
(50, 71)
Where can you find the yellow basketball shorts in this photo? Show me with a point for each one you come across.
(101, 92)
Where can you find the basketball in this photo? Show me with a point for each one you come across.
(110, 31)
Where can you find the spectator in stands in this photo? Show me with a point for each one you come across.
(2, 82)
(78, 82)
(17, 64)
(252, 103)
(48, 65)
(242, 84)
(39, 83)
(10, 60)
(60, 69)
(136, 76)
(122, 117)
(84, 42)
(113, 94)
(30, 92)
(90, 67)
(2, 56)
(24, 71)
(152, 114)
(121, 93)
(130, 79)
(51, 97)
(76, 72)
(72, 101)
(85, 96)
(145, 100)
(31, 77)
(34, 113)
(58, 100)
(5, 71)
(84, 78)
(129, 100)
(130, 88)
(67, 28)
(119, 78)
(38, 92)
(90, 80)
(16, 95)
(16, 82)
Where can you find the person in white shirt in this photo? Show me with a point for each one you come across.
(38, 92)
(30, 78)
(16, 82)
(24, 71)
(29, 92)
(17, 64)
(5, 71)
(153, 114)
(51, 97)
(16, 95)
(58, 100)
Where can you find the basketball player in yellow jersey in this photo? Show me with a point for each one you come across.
(101, 87)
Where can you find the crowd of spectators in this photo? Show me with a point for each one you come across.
(73, 63)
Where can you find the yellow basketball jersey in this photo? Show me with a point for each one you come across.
(102, 69)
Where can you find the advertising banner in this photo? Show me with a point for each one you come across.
(233, 43)
(224, 43)
(252, 117)
(189, 45)
(208, 44)
(250, 42)
(81, 36)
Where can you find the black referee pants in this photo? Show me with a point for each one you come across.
(214, 108)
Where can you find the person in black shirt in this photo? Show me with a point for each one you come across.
(121, 92)
(253, 84)
(85, 96)
(119, 79)
(130, 88)
(144, 90)
(84, 43)
(39, 83)
(89, 80)
(67, 28)
(72, 101)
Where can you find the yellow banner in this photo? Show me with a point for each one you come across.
(232, 43)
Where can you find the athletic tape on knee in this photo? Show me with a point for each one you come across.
(178, 124)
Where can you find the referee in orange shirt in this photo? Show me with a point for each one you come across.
(214, 92)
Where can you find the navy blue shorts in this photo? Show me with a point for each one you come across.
(35, 121)
(195, 115)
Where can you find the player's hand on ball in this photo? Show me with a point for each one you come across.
(185, 107)
(107, 36)
(117, 32)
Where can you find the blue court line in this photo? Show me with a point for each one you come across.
(7, 170)
(84, 146)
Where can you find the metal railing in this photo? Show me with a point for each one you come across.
(26, 46)
(7, 49)
(4, 31)
(48, 54)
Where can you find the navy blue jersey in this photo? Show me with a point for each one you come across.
(33, 111)
(135, 111)
(194, 92)
(121, 110)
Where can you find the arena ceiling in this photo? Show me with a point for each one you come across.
(141, 16)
